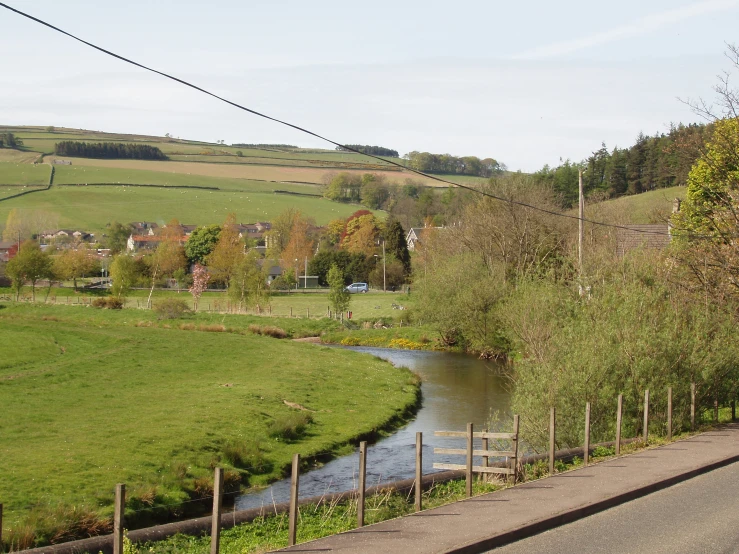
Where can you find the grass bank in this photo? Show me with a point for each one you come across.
(95, 397)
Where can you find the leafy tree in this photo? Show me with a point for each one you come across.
(248, 283)
(710, 213)
(124, 273)
(73, 264)
(278, 236)
(396, 245)
(29, 265)
(118, 237)
(201, 243)
(301, 245)
(338, 296)
(361, 234)
(226, 253)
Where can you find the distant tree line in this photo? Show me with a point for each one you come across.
(108, 150)
(446, 164)
(9, 140)
(660, 161)
(372, 150)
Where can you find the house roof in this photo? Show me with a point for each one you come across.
(651, 236)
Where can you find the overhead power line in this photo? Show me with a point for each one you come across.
(326, 139)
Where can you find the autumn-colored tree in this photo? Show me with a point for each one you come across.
(200, 278)
(278, 237)
(300, 247)
(361, 234)
(73, 264)
(335, 230)
(227, 252)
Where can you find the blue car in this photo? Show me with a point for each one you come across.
(358, 287)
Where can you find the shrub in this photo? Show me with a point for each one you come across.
(274, 332)
(171, 308)
(213, 328)
(290, 426)
(255, 329)
(108, 302)
(245, 455)
(187, 326)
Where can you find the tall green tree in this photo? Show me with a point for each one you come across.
(118, 236)
(201, 243)
(29, 265)
(124, 274)
(396, 245)
(338, 296)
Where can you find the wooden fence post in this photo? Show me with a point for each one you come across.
(586, 447)
(291, 311)
(468, 472)
(646, 416)
(215, 524)
(552, 423)
(118, 518)
(715, 410)
(619, 410)
(362, 485)
(307, 313)
(692, 406)
(293, 526)
(485, 459)
(733, 410)
(516, 421)
(669, 413)
(419, 470)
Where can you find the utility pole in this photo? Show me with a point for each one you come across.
(305, 280)
(581, 230)
(384, 288)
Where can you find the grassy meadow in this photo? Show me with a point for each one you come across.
(95, 397)
(92, 208)
(12, 173)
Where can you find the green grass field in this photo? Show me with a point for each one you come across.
(95, 397)
(648, 207)
(77, 174)
(91, 208)
(12, 173)
(372, 305)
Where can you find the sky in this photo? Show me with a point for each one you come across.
(527, 83)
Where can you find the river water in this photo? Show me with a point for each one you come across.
(456, 389)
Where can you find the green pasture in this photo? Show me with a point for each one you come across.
(648, 207)
(91, 207)
(12, 173)
(94, 397)
(80, 174)
(305, 305)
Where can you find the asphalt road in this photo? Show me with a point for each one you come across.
(696, 516)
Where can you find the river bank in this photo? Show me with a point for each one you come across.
(120, 396)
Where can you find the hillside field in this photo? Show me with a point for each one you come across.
(92, 207)
(97, 397)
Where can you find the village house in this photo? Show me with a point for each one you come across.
(415, 236)
(652, 236)
(66, 234)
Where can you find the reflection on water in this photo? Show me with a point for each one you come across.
(456, 388)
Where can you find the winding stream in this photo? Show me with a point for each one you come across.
(456, 389)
